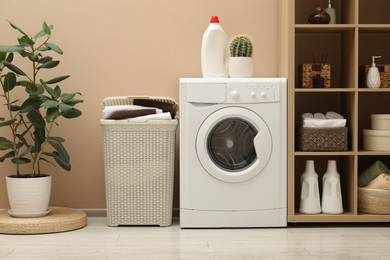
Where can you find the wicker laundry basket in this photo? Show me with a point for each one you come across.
(139, 168)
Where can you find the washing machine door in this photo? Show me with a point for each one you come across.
(234, 144)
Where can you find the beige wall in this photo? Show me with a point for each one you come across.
(128, 47)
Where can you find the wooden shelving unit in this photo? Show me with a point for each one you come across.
(363, 30)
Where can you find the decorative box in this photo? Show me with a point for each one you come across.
(323, 139)
(307, 71)
(380, 121)
(376, 140)
(384, 73)
(374, 201)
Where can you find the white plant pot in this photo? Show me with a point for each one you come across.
(240, 67)
(29, 197)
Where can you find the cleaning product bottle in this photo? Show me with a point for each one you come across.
(332, 202)
(310, 195)
(373, 77)
(332, 13)
(214, 63)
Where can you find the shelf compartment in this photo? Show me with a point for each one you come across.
(340, 48)
(309, 90)
(345, 10)
(374, 12)
(370, 103)
(319, 28)
(342, 218)
(345, 167)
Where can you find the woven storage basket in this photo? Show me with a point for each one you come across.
(139, 168)
(374, 201)
(307, 71)
(323, 139)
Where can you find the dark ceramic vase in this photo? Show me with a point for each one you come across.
(319, 17)
(318, 81)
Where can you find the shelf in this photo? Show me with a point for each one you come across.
(323, 28)
(325, 90)
(367, 28)
(373, 90)
(345, 217)
(373, 153)
(349, 153)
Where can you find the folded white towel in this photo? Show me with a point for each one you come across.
(143, 119)
(324, 123)
(107, 111)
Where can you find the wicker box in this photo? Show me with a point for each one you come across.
(307, 71)
(374, 201)
(139, 168)
(323, 139)
(384, 73)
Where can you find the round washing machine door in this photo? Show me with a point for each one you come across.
(234, 144)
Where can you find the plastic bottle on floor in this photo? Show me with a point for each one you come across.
(214, 63)
(332, 202)
(310, 195)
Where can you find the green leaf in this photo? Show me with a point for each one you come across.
(64, 108)
(5, 144)
(60, 148)
(13, 68)
(46, 28)
(21, 160)
(40, 135)
(36, 119)
(28, 150)
(15, 48)
(17, 28)
(30, 104)
(50, 103)
(8, 122)
(64, 165)
(7, 155)
(57, 92)
(43, 47)
(45, 59)
(3, 55)
(42, 33)
(48, 89)
(33, 57)
(67, 96)
(55, 48)
(15, 108)
(37, 141)
(49, 65)
(72, 113)
(40, 89)
(56, 138)
(31, 87)
(52, 114)
(27, 40)
(57, 79)
(73, 101)
(9, 81)
(10, 57)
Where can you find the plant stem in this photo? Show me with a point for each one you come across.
(36, 168)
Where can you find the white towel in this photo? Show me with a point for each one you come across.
(323, 123)
(107, 111)
(143, 119)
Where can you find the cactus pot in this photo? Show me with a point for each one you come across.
(241, 67)
(29, 197)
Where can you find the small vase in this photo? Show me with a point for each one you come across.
(319, 17)
(310, 195)
(318, 81)
(240, 67)
(332, 202)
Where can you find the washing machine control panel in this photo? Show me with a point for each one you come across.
(252, 92)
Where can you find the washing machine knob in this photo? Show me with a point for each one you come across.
(253, 94)
(263, 94)
(234, 94)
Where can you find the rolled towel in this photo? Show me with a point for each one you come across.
(323, 123)
(307, 115)
(333, 115)
(165, 106)
(319, 115)
(371, 173)
(121, 110)
(382, 182)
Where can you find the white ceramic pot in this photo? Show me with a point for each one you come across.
(240, 67)
(29, 197)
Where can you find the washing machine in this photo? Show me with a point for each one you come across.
(233, 152)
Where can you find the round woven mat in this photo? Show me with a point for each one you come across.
(58, 220)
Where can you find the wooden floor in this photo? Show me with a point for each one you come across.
(97, 241)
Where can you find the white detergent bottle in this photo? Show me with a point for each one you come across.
(373, 77)
(332, 202)
(214, 63)
(310, 195)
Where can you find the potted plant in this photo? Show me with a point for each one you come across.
(240, 62)
(31, 109)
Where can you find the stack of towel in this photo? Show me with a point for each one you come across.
(319, 120)
(377, 176)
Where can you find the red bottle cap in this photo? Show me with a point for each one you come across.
(214, 19)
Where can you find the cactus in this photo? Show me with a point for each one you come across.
(241, 46)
